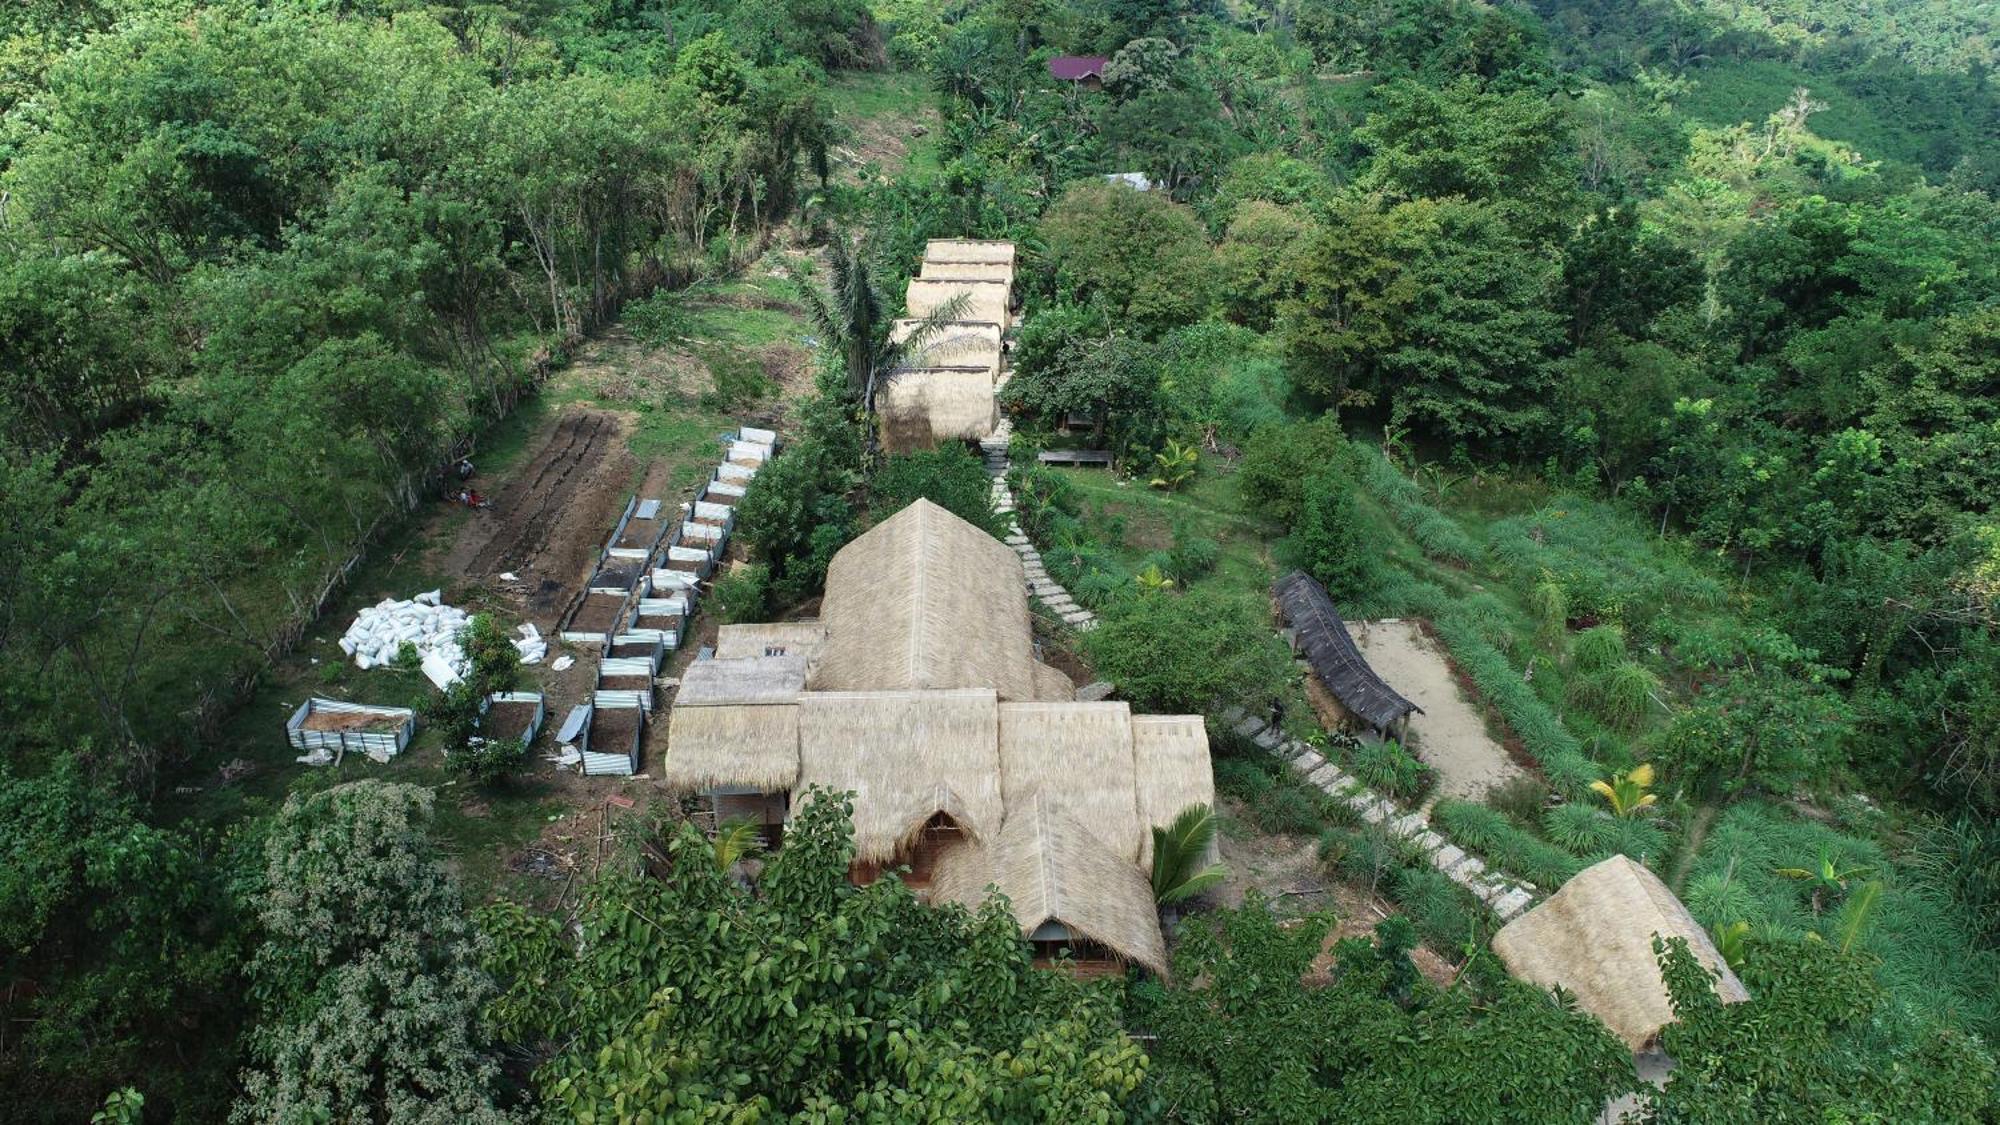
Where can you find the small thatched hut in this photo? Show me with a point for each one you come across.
(924, 768)
(986, 302)
(1067, 889)
(926, 600)
(733, 734)
(785, 638)
(967, 271)
(954, 344)
(921, 407)
(1594, 937)
(969, 250)
(1318, 631)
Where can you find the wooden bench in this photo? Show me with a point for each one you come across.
(1075, 457)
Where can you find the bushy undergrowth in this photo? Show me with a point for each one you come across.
(1505, 846)
(1438, 535)
(1447, 915)
(1608, 565)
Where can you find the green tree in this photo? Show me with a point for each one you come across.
(949, 476)
(1329, 539)
(1188, 652)
(1140, 252)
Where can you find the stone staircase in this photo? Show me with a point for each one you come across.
(1045, 589)
(1506, 897)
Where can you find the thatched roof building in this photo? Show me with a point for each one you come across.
(955, 343)
(735, 725)
(1321, 634)
(921, 407)
(1594, 937)
(968, 271)
(1062, 884)
(1080, 755)
(986, 302)
(1052, 685)
(906, 756)
(925, 600)
(786, 638)
(1173, 772)
(969, 250)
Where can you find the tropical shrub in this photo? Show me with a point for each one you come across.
(948, 476)
(1188, 652)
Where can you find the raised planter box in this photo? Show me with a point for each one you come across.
(611, 738)
(502, 712)
(649, 645)
(596, 618)
(337, 726)
(626, 677)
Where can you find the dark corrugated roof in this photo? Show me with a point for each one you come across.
(1333, 655)
(1073, 68)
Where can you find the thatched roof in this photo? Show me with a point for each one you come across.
(969, 250)
(968, 271)
(743, 679)
(793, 638)
(1079, 755)
(923, 406)
(1051, 684)
(925, 600)
(1170, 762)
(1333, 655)
(1054, 870)
(986, 301)
(1594, 937)
(906, 756)
(755, 746)
(955, 343)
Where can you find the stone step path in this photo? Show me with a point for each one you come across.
(1044, 588)
(1505, 897)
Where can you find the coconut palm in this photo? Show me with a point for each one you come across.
(1626, 792)
(1178, 852)
(852, 317)
(734, 840)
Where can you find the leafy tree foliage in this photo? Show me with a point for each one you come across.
(1139, 252)
(1188, 652)
(949, 476)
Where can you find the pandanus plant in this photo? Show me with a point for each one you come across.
(1827, 880)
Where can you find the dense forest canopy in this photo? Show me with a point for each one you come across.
(1670, 329)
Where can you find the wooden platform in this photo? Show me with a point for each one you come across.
(1075, 457)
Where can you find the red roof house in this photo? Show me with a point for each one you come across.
(1087, 69)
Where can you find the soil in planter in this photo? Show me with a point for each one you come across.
(637, 650)
(597, 614)
(613, 729)
(507, 720)
(352, 722)
(667, 624)
(721, 498)
(685, 566)
(625, 683)
(638, 535)
(623, 576)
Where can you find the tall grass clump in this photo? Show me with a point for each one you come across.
(1438, 535)
(1611, 566)
(1505, 846)
(1445, 913)
(1597, 649)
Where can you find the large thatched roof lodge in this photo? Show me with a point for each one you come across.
(1594, 937)
(971, 761)
(946, 388)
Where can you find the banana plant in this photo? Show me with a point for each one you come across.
(1175, 466)
(1728, 940)
(1827, 880)
(1626, 792)
(1152, 580)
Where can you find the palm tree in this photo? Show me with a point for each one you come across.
(1828, 879)
(1178, 852)
(851, 315)
(1626, 792)
(734, 840)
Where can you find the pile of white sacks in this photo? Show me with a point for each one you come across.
(381, 630)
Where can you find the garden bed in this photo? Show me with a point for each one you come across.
(515, 719)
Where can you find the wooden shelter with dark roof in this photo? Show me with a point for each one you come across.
(1319, 633)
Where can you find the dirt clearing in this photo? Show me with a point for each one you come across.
(1450, 735)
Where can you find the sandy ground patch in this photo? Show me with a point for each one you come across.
(1450, 735)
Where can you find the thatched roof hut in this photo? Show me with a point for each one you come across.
(926, 600)
(735, 725)
(1053, 870)
(986, 302)
(1172, 771)
(921, 407)
(1079, 756)
(906, 756)
(785, 638)
(1594, 937)
(969, 250)
(955, 343)
(1335, 659)
(968, 271)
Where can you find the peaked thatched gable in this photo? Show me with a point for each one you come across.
(1079, 756)
(784, 638)
(1334, 657)
(735, 724)
(922, 406)
(926, 600)
(1594, 937)
(906, 756)
(1172, 771)
(1052, 869)
(954, 344)
(969, 250)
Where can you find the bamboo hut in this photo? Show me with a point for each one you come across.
(733, 734)
(986, 302)
(1594, 937)
(967, 271)
(1171, 768)
(969, 250)
(953, 343)
(1079, 755)
(786, 638)
(1318, 631)
(1066, 889)
(924, 768)
(925, 600)
(922, 407)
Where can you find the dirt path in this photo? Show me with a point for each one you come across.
(547, 522)
(1450, 735)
